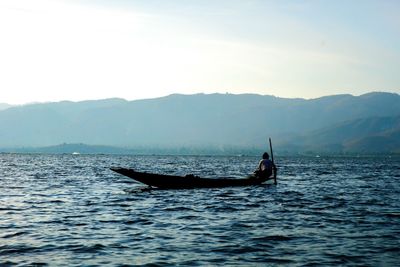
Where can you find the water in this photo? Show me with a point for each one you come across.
(71, 210)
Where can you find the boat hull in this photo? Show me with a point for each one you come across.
(185, 182)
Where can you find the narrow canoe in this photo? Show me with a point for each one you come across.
(188, 181)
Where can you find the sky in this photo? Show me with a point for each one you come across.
(53, 50)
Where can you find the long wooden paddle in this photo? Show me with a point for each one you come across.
(272, 158)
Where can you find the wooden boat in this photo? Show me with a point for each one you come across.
(188, 181)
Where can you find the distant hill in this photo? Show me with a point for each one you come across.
(140, 150)
(4, 106)
(213, 121)
(367, 135)
(71, 148)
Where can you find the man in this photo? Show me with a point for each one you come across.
(265, 167)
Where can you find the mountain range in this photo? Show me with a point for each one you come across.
(4, 106)
(369, 123)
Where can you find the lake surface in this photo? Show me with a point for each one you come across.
(71, 210)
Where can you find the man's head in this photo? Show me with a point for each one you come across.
(265, 155)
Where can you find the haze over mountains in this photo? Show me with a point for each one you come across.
(4, 106)
(368, 123)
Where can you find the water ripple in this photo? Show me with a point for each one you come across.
(63, 210)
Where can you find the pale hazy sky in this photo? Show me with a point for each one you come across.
(54, 50)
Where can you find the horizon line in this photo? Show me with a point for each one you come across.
(184, 94)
